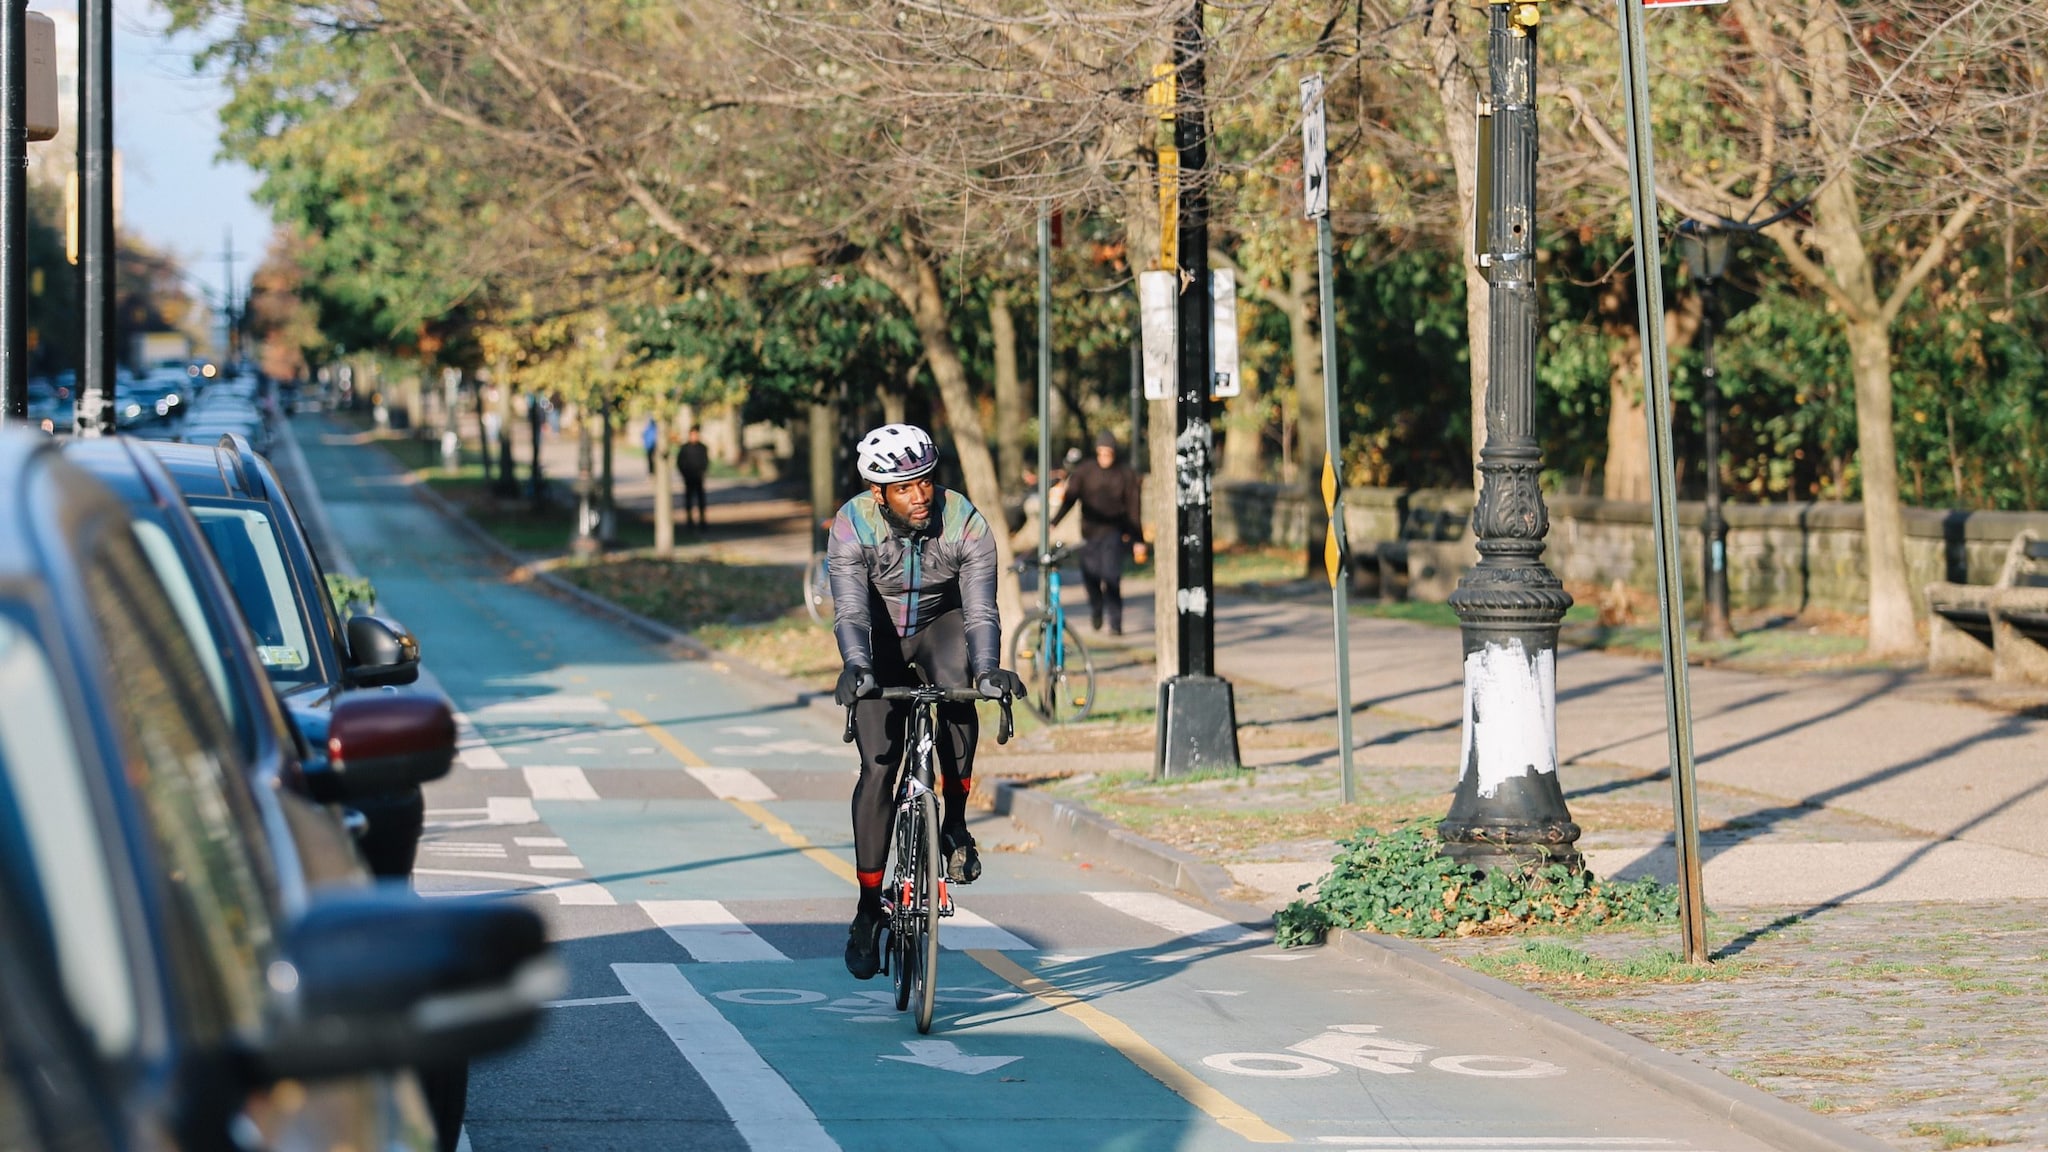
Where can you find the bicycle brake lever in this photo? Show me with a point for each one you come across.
(1008, 727)
(847, 737)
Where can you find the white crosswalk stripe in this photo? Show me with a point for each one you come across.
(708, 932)
(1184, 921)
(732, 783)
(964, 930)
(559, 784)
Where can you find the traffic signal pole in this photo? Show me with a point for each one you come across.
(14, 214)
(1197, 710)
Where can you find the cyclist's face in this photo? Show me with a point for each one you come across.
(910, 500)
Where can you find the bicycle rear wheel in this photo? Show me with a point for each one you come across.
(1058, 673)
(928, 907)
(818, 590)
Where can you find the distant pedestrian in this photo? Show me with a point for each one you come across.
(693, 459)
(650, 441)
(1111, 508)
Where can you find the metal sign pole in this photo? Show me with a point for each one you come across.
(1664, 486)
(1315, 169)
(95, 414)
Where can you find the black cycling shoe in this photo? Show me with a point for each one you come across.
(863, 944)
(963, 863)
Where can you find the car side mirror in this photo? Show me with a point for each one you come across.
(374, 979)
(384, 742)
(381, 653)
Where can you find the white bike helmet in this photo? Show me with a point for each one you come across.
(894, 453)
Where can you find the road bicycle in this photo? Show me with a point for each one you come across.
(917, 896)
(1059, 675)
(818, 590)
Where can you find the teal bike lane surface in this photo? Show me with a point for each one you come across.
(685, 830)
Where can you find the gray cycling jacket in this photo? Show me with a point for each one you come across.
(882, 579)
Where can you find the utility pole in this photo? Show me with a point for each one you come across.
(14, 214)
(227, 297)
(1197, 710)
(96, 215)
(1508, 808)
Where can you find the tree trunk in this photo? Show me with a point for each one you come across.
(481, 437)
(1893, 633)
(1301, 305)
(911, 278)
(1458, 97)
(664, 486)
(1162, 426)
(1626, 474)
(824, 455)
(1002, 324)
(1242, 442)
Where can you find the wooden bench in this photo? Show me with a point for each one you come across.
(1384, 568)
(1998, 629)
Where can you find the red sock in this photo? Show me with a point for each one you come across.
(870, 890)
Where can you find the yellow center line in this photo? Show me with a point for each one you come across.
(776, 825)
(1114, 1032)
(1138, 1050)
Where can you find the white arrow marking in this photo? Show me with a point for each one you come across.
(1351, 1045)
(947, 1057)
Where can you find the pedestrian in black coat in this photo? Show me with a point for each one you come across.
(1112, 511)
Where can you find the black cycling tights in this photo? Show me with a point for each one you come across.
(940, 650)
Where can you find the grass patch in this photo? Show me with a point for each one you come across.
(1399, 883)
(689, 594)
(791, 646)
(1954, 1136)
(1439, 615)
(1760, 650)
(1549, 961)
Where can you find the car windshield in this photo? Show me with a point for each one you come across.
(246, 543)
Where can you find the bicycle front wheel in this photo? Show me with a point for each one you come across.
(1058, 673)
(818, 590)
(928, 908)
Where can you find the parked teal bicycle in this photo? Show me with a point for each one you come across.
(1058, 673)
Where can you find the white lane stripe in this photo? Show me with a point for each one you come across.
(564, 891)
(555, 863)
(590, 1002)
(709, 932)
(732, 783)
(964, 930)
(769, 1114)
(510, 810)
(1163, 911)
(540, 842)
(481, 758)
(559, 784)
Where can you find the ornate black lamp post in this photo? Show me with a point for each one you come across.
(1705, 251)
(1508, 806)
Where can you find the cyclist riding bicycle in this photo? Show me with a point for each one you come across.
(913, 574)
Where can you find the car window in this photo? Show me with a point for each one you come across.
(200, 811)
(245, 543)
(170, 569)
(47, 795)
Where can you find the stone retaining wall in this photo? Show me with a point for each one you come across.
(1779, 555)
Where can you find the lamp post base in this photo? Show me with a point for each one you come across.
(1197, 727)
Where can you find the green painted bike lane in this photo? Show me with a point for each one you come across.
(1104, 1033)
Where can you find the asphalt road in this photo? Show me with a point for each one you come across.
(685, 828)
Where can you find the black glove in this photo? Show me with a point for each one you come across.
(999, 684)
(855, 683)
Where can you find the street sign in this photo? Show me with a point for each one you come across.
(1223, 379)
(1158, 302)
(1315, 158)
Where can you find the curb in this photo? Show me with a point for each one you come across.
(1067, 827)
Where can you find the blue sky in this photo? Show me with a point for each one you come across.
(174, 192)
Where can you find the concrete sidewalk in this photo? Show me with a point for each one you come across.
(1947, 795)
